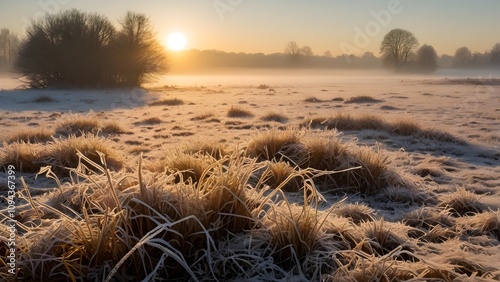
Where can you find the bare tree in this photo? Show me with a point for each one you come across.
(327, 54)
(4, 44)
(427, 58)
(292, 49)
(296, 54)
(463, 57)
(137, 42)
(396, 48)
(9, 44)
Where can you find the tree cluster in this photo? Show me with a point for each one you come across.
(295, 53)
(399, 52)
(77, 49)
(464, 58)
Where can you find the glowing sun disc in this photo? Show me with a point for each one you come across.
(176, 41)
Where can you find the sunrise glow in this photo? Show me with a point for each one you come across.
(176, 41)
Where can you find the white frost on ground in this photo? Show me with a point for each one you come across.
(469, 112)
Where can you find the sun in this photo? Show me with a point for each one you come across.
(176, 41)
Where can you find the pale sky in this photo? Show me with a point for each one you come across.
(338, 26)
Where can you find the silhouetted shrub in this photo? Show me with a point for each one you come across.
(76, 49)
(137, 54)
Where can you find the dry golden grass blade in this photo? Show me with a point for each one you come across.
(30, 199)
(106, 172)
(50, 174)
(68, 269)
(142, 186)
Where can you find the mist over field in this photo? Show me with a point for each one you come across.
(238, 76)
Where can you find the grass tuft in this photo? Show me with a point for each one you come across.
(401, 126)
(274, 145)
(295, 231)
(112, 128)
(406, 127)
(78, 125)
(341, 169)
(362, 170)
(358, 213)
(62, 153)
(167, 102)
(346, 121)
(25, 157)
(405, 195)
(283, 175)
(362, 99)
(152, 121)
(186, 167)
(486, 223)
(462, 203)
(272, 116)
(81, 125)
(313, 100)
(214, 149)
(40, 135)
(382, 240)
(238, 112)
(202, 116)
(44, 99)
(429, 217)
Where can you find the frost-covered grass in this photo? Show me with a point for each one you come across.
(210, 213)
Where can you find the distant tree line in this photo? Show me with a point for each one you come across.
(399, 52)
(77, 49)
(464, 58)
(193, 60)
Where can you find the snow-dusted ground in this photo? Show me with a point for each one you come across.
(470, 111)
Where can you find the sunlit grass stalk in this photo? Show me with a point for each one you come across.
(30, 199)
(149, 239)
